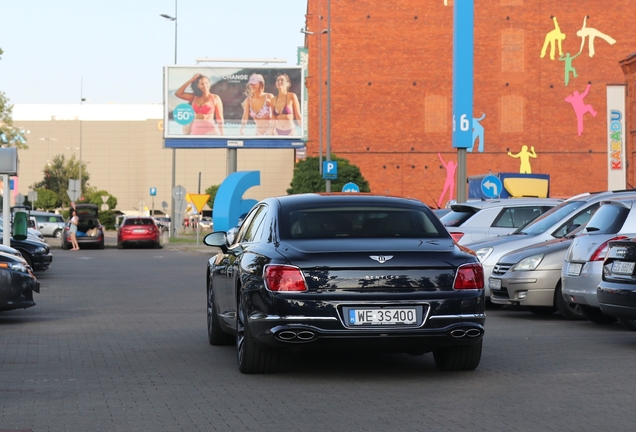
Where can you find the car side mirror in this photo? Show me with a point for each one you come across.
(217, 239)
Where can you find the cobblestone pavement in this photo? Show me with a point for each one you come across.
(117, 342)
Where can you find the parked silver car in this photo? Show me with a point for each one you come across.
(49, 224)
(555, 223)
(477, 220)
(583, 265)
(531, 277)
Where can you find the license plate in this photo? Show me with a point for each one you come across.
(621, 267)
(494, 283)
(382, 316)
(574, 269)
(139, 231)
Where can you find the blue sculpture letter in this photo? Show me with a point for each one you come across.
(229, 204)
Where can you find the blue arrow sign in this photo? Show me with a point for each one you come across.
(491, 186)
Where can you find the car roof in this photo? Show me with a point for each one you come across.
(506, 202)
(300, 200)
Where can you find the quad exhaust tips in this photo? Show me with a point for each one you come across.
(470, 333)
(296, 336)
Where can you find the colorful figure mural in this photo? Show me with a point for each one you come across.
(449, 184)
(580, 107)
(524, 156)
(553, 36)
(478, 133)
(591, 34)
(568, 66)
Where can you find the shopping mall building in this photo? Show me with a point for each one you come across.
(549, 86)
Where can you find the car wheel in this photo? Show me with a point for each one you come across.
(57, 234)
(595, 315)
(158, 245)
(628, 323)
(458, 358)
(251, 358)
(569, 311)
(216, 336)
(541, 310)
(27, 258)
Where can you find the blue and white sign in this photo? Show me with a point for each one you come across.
(330, 170)
(153, 191)
(491, 186)
(463, 29)
(350, 187)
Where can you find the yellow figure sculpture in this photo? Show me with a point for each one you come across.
(591, 34)
(553, 36)
(525, 156)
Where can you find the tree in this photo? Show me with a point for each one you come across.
(212, 190)
(94, 196)
(307, 177)
(9, 136)
(47, 199)
(57, 175)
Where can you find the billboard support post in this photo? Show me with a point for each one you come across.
(231, 161)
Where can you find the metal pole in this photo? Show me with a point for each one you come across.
(6, 211)
(320, 105)
(173, 214)
(80, 143)
(231, 161)
(461, 175)
(328, 157)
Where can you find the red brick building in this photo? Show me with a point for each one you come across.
(391, 89)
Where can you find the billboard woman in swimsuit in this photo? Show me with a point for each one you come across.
(207, 107)
(258, 105)
(285, 108)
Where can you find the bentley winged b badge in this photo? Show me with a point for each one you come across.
(381, 258)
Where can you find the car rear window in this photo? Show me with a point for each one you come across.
(456, 218)
(359, 222)
(608, 219)
(138, 222)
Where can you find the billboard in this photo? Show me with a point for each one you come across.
(616, 161)
(233, 107)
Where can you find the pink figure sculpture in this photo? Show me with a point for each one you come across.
(580, 108)
(449, 184)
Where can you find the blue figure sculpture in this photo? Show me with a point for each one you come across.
(229, 204)
(478, 132)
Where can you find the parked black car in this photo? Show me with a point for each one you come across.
(616, 292)
(17, 283)
(90, 231)
(355, 270)
(35, 253)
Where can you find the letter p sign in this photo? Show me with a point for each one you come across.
(330, 170)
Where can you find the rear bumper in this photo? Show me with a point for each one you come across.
(617, 300)
(581, 289)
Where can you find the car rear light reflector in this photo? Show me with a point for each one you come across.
(284, 278)
(457, 235)
(469, 276)
(601, 251)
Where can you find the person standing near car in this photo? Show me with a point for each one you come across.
(73, 229)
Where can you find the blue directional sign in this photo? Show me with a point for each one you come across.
(153, 191)
(350, 187)
(330, 170)
(491, 186)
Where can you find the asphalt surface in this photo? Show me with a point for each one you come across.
(117, 342)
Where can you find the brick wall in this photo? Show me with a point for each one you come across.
(391, 95)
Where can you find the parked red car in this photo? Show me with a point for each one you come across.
(138, 230)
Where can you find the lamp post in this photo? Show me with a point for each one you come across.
(328, 156)
(173, 215)
(82, 100)
(48, 140)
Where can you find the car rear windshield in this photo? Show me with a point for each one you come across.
(138, 222)
(457, 217)
(549, 218)
(608, 219)
(360, 222)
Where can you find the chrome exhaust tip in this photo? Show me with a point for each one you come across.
(473, 333)
(305, 335)
(286, 335)
(458, 333)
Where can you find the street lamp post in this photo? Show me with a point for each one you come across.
(328, 156)
(80, 140)
(173, 214)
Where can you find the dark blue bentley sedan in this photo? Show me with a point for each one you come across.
(355, 270)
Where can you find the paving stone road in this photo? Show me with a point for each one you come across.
(117, 342)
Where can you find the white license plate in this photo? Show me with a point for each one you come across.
(621, 267)
(382, 316)
(139, 231)
(574, 269)
(494, 283)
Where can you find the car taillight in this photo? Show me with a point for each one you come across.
(601, 251)
(284, 278)
(457, 235)
(469, 276)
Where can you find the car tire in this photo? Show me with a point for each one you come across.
(27, 258)
(57, 234)
(458, 358)
(541, 310)
(158, 245)
(630, 324)
(216, 336)
(251, 358)
(569, 311)
(595, 315)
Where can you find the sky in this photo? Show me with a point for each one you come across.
(56, 52)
